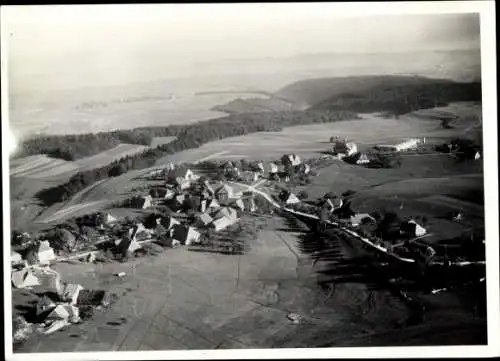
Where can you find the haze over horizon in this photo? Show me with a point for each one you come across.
(68, 47)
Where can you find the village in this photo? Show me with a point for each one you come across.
(207, 207)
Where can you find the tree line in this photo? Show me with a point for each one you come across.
(188, 137)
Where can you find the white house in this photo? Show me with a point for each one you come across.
(333, 204)
(273, 168)
(185, 234)
(226, 212)
(110, 219)
(359, 217)
(407, 144)
(223, 222)
(45, 252)
(292, 199)
(70, 292)
(203, 220)
(224, 193)
(15, 258)
(24, 278)
(412, 229)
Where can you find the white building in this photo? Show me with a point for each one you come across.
(407, 144)
(45, 252)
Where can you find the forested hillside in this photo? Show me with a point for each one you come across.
(365, 88)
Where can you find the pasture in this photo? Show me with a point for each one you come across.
(310, 140)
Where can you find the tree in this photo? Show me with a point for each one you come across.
(303, 195)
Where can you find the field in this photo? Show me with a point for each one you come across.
(192, 300)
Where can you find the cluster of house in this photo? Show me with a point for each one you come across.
(290, 163)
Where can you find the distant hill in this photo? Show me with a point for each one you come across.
(256, 105)
(398, 94)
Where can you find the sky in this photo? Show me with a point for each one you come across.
(64, 47)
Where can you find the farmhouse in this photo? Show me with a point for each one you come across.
(44, 304)
(127, 244)
(203, 220)
(139, 233)
(224, 193)
(70, 292)
(344, 147)
(273, 168)
(45, 252)
(181, 174)
(412, 229)
(289, 198)
(185, 234)
(226, 212)
(359, 218)
(291, 160)
(333, 204)
(15, 258)
(142, 202)
(223, 222)
(407, 144)
(109, 219)
(24, 278)
(168, 222)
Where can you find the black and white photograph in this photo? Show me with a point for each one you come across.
(248, 179)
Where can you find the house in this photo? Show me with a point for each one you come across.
(142, 202)
(169, 194)
(412, 229)
(290, 160)
(238, 203)
(181, 174)
(169, 222)
(126, 245)
(45, 253)
(185, 234)
(226, 212)
(333, 204)
(273, 168)
(179, 200)
(212, 205)
(44, 304)
(64, 312)
(139, 233)
(15, 258)
(345, 147)
(407, 144)
(224, 193)
(249, 204)
(70, 292)
(359, 218)
(223, 222)
(363, 159)
(109, 219)
(203, 220)
(24, 278)
(289, 198)
(260, 167)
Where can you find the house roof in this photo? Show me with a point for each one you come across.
(205, 218)
(226, 212)
(224, 188)
(24, 278)
(179, 171)
(223, 222)
(182, 233)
